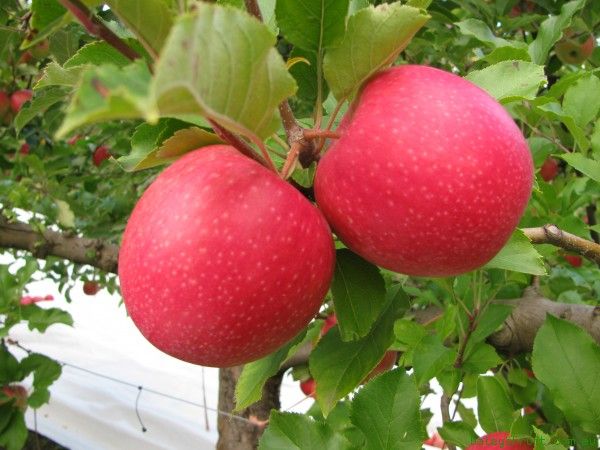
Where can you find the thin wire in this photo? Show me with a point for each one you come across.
(137, 411)
(206, 425)
(140, 388)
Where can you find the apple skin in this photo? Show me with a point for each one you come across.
(575, 260)
(386, 363)
(101, 154)
(309, 387)
(16, 391)
(498, 440)
(222, 262)
(90, 288)
(435, 441)
(31, 299)
(18, 98)
(572, 50)
(24, 150)
(549, 169)
(429, 177)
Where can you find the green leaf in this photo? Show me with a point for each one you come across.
(387, 411)
(518, 255)
(64, 43)
(553, 110)
(153, 145)
(550, 31)
(255, 374)
(494, 407)
(358, 291)
(409, 332)
(338, 366)
(41, 318)
(39, 104)
(480, 31)
(229, 77)
(150, 20)
(97, 53)
(374, 38)
(567, 360)
(306, 77)
(55, 75)
(589, 167)
(15, 433)
(431, 357)
(45, 12)
(108, 92)
(481, 358)
(467, 415)
(582, 100)
(509, 81)
(492, 317)
(312, 24)
(288, 431)
(458, 433)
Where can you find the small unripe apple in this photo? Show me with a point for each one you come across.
(102, 153)
(18, 98)
(430, 176)
(90, 287)
(499, 440)
(575, 50)
(575, 260)
(309, 387)
(549, 169)
(17, 392)
(222, 262)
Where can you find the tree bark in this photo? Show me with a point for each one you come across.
(235, 434)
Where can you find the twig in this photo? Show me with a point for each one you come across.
(551, 234)
(590, 212)
(253, 8)
(321, 134)
(237, 142)
(445, 409)
(97, 28)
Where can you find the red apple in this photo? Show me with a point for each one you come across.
(4, 104)
(435, 441)
(18, 98)
(309, 387)
(24, 150)
(430, 176)
(31, 299)
(575, 50)
(73, 139)
(549, 169)
(498, 440)
(101, 154)
(329, 323)
(16, 391)
(386, 363)
(574, 260)
(90, 288)
(222, 262)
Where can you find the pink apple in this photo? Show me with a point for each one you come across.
(435, 441)
(499, 440)
(549, 169)
(222, 262)
(430, 176)
(18, 98)
(31, 299)
(102, 153)
(17, 392)
(386, 363)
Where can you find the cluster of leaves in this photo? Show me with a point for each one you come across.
(198, 66)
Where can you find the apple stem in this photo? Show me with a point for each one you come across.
(291, 160)
(321, 134)
(237, 142)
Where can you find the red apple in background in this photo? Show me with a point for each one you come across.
(386, 363)
(41, 49)
(309, 387)
(430, 176)
(18, 98)
(90, 287)
(499, 440)
(24, 150)
(573, 48)
(329, 323)
(31, 299)
(435, 441)
(549, 169)
(575, 260)
(101, 154)
(73, 139)
(16, 391)
(4, 104)
(222, 262)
